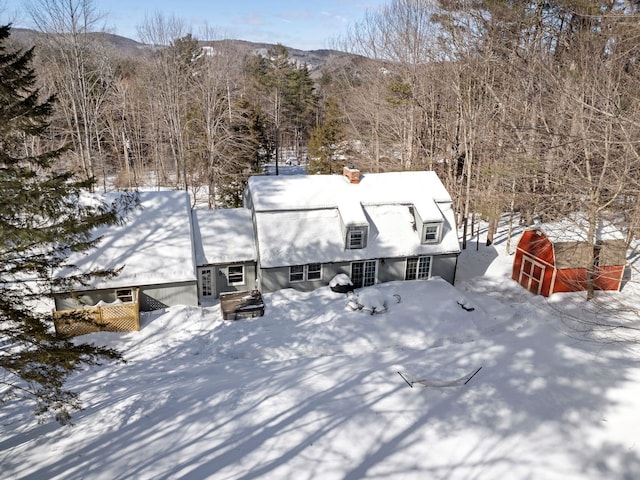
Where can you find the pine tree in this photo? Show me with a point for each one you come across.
(325, 142)
(42, 222)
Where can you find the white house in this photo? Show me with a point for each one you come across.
(294, 232)
(373, 227)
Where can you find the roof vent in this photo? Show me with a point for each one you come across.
(352, 174)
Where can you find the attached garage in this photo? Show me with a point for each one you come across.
(554, 258)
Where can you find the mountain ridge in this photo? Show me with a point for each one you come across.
(316, 60)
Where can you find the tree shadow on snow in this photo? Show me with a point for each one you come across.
(230, 411)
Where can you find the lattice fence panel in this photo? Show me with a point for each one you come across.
(112, 318)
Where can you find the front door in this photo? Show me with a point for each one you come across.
(531, 275)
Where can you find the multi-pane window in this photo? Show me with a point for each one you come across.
(363, 274)
(296, 273)
(418, 268)
(206, 289)
(235, 274)
(431, 233)
(314, 271)
(299, 273)
(356, 237)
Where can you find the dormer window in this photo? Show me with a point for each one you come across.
(431, 233)
(356, 237)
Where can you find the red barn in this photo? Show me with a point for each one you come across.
(554, 258)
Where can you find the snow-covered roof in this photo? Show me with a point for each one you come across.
(154, 244)
(302, 192)
(576, 228)
(223, 236)
(299, 219)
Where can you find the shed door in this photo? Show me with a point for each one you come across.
(531, 275)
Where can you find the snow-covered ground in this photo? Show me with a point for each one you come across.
(311, 390)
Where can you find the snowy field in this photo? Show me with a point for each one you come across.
(311, 390)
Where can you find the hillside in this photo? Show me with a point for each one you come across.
(316, 60)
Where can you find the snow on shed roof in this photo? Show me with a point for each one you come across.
(154, 244)
(576, 228)
(223, 236)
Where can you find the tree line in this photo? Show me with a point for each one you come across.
(521, 107)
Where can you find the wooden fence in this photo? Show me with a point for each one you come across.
(122, 317)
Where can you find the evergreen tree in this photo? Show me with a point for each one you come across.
(325, 142)
(42, 222)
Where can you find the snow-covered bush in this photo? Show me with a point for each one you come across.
(369, 300)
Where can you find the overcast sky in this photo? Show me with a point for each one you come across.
(304, 24)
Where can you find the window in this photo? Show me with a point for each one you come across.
(431, 233)
(356, 237)
(125, 295)
(296, 273)
(314, 271)
(363, 274)
(206, 288)
(418, 268)
(235, 275)
(299, 273)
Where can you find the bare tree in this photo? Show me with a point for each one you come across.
(77, 68)
(169, 76)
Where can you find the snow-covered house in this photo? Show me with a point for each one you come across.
(153, 246)
(375, 228)
(225, 251)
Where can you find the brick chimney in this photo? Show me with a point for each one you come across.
(352, 174)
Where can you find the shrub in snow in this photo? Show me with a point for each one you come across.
(369, 300)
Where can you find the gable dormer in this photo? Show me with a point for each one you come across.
(431, 232)
(428, 221)
(356, 236)
(355, 227)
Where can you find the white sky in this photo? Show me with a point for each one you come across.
(307, 25)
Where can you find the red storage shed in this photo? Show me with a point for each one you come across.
(553, 258)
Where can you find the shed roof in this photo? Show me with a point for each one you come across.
(571, 246)
(223, 236)
(154, 245)
(576, 228)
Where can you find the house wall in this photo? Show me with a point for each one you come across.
(389, 269)
(274, 279)
(445, 266)
(154, 297)
(221, 282)
(151, 297)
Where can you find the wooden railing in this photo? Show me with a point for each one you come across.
(122, 317)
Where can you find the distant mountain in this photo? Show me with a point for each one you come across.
(30, 37)
(316, 60)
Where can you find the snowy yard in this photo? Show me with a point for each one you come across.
(311, 391)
